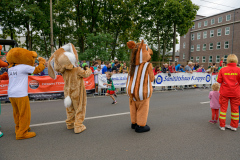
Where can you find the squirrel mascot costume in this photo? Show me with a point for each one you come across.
(21, 63)
(229, 78)
(64, 61)
(139, 86)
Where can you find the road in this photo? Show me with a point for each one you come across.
(178, 121)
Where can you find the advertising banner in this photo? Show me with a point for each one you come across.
(119, 80)
(44, 87)
(163, 79)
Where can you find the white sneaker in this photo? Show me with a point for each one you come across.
(222, 128)
(230, 127)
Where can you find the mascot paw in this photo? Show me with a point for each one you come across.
(28, 135)
(41, 60)
(85, 67)
(70, 126)
(140, 129)
(133, 126)
(79, 129)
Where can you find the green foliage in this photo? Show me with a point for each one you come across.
(99, 29)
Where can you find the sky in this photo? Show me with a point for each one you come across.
(211, 7)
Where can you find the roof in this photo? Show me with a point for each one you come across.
(215, 14)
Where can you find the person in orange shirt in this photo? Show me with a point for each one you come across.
(229, 77)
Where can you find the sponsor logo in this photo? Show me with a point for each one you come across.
(159, 79)
(33, 84)
(208, 78)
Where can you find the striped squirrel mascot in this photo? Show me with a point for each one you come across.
(139, 87)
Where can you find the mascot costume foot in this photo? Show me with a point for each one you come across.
(64, 61)
(139, 86)
(21, 62)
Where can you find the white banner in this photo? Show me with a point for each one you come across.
(214, 79)
(177, 79)
(119, 80)
(162, 79)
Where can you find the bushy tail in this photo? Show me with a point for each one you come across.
(67, 102)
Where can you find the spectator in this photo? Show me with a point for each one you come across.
(223, 65)
(172, 68)
(177, 67)
(201, 69)
(196, 66)
(181, 68)
(84, 63)
(102, 64)
(115, 67)
(165, 68)
(221, 62)
(96, 73)
(156, 70)
(210, 66)
(94, 67)
(214, 68)
(112, 64)
(188, 68)
(124, 68)
(109, 69)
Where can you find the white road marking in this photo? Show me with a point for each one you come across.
(103, 116)
(204, 102)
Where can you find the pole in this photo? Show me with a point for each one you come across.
(51, 26)
(233, 32)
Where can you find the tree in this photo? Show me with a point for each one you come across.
(181, 14)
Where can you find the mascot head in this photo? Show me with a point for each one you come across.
(21, 56)
(140, 54)
(65, 58)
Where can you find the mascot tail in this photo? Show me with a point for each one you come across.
(67, 102)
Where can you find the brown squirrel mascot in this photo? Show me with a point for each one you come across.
(139, 86)
(21, 63)
(64, 60)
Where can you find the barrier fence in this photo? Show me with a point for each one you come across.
(44, 87)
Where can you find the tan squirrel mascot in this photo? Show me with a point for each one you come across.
(65, 60)
(139, 87)
(21, 62)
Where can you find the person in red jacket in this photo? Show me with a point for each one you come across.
(172, 68)
(221, 62)
(229, 77)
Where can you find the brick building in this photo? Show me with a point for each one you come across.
(211, 38)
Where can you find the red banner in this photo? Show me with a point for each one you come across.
(45, 84)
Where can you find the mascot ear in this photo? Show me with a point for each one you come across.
(51, 70)
(131, 44)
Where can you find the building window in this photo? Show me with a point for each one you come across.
(192, 48)
(226, 45)
(212, 33)
(219, 32)
(203, 59)
(204, 34)
(225, 58)
(204, 47)
(184, 36)
(205, 23)
(219, 19)
(193, 27)
(218, 45)
(192, 37)
(218, 59)
(191, 59)
(198, 47)
(210, 59)
(228, 17)
(199, 24)
(211, 46)
(184, 44)
(198, 35)
(227, 30)
(197, 59)
(212, 21)
(183, 56)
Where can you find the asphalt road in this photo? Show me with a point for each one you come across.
(178, 121)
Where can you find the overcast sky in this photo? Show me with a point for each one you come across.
(211, 7)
